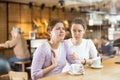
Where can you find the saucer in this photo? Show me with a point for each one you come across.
(75, 74)
(97, 67)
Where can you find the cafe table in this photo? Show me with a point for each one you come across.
(110, 71)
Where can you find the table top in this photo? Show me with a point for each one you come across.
(110, 71)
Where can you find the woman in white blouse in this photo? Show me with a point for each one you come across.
(84, 49)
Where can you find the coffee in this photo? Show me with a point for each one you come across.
(96, 62)
(75, 68)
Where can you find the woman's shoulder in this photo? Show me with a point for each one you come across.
(87, 41)
(42, 48)
(68, 41)
(43, 45)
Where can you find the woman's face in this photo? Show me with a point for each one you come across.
(58, 32)
(77, 31)
(103, 41)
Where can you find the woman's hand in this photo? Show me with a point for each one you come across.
(82, 71)
(89, 61)
(74, 56)
(2, 45)
(54, 59)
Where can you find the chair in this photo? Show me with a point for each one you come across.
(23, 63)
(13, 75)
(116, 43)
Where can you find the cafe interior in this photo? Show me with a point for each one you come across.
(102, 17)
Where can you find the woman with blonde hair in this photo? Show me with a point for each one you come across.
(19, 45)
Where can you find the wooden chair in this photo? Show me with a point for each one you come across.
(4, 77)
(23, 63)
(13, 75)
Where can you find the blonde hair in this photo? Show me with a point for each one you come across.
(16, 29)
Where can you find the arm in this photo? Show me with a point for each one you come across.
(2, 45)
(70, 55)
(10, 43)
(54, 64)
(93, 52)
(110, 51)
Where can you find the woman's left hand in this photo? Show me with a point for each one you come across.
(82, 70)
(74, 56)
(89, 61)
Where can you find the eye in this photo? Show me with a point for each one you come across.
(79, 30)
(74, 30)
(58, 28)
(63, 28)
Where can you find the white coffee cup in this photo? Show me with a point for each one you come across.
(75, 68)
(96, 62)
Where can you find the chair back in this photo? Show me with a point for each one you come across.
(13, 75)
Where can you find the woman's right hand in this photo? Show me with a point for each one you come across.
(54, 59)
(53, 65)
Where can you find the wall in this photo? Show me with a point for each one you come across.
(24, 16)
(3, 22)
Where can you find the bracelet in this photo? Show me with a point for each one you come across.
(84, 62)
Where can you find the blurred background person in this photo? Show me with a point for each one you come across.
(20, 47)
(107, 48)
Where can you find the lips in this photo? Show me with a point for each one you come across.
(76, 37)
(61, 35)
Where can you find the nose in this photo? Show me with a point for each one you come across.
(76, 33)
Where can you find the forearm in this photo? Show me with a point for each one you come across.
(48, 69)
(86, 61)
(2, 45)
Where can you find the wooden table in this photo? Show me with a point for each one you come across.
(110, 71)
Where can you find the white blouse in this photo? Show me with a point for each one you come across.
(85, 50)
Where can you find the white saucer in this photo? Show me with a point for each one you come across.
(76, 74)
(97, 67)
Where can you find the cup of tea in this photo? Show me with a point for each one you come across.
(76, 69)
(97, 63)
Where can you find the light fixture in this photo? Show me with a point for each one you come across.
(113, 10)
(53, 7)
(61, 2)
(91, 22)
(30, 4)
(72, 9)
(42, 6)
